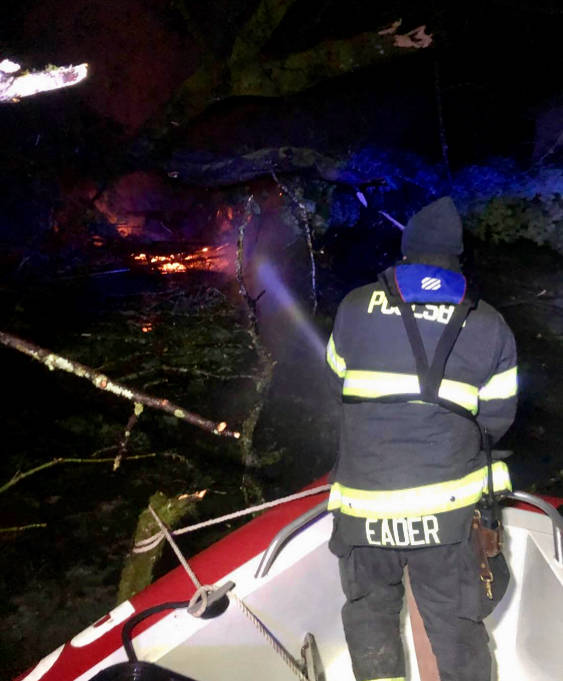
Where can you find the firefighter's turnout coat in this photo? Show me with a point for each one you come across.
(409, 473)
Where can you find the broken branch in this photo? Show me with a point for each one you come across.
(53, 361)
(127, 434)
(13, 86)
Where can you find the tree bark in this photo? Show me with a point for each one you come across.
(248, 72)
(53, 361)
(138, 570)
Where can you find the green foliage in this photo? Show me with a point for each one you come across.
(191, 347)
(175, 333)
(506, 219)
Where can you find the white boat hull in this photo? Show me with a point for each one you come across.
(302, 594)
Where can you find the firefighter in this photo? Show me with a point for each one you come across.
(422, 370)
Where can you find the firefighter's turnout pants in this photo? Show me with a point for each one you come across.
(446, 587)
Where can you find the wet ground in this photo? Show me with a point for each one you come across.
(58, 579)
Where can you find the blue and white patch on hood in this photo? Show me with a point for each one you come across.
(429, 284)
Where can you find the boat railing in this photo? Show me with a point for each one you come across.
(283, 536)
(278, 542)
(553, 514)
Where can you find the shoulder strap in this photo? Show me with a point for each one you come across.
(430, 376)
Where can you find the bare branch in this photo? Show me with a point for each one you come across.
(21, 528)
(263, 379)
(308, 236)
(248, 299)
(53, 361)
(56, 462)
(208, 374)
(138, 410)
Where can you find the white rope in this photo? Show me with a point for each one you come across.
(201, 595)
(153, 541)
(201, 592)
(179, 555)
(286, 656)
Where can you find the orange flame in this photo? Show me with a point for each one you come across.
(207, 258)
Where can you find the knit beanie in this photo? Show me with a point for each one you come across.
(436, 228)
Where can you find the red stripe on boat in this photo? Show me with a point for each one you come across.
(210, 565)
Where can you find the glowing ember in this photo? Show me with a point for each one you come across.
(207, 258)
(170, 267)
(147, 328)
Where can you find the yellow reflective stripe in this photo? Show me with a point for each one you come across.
(373, 384)
(389, 678)
(501, 478)
(416, 501)
(501, 386)
(379, 383)
(335, 361)
(464, 394)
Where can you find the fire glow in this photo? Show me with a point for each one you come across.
(207, 258)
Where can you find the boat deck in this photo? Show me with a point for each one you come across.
(302, 594)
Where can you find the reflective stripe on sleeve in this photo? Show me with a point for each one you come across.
(501, 478)
(374, 384)
(335, 361)
(390, 678)
(417, 501)
(500, 386)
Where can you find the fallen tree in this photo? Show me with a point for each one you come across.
(53, 361)
(247, 70)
